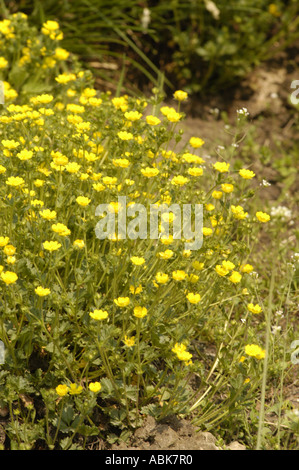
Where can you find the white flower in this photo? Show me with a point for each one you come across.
(145, 19)
(265, 183)
(281, 211)
(243, 112)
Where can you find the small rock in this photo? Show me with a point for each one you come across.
(206, 441)
(235, 445)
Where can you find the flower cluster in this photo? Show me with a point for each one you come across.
(119, 309)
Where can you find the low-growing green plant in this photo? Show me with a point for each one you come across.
(99, 333)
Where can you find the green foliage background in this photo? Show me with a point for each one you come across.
(199, 45)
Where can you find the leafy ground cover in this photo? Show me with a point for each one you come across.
(101, 335)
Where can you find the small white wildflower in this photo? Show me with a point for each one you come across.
(213, 9)
(243, 112)
(281, 211)
(265, 183)
(145, 19)
(275, 329)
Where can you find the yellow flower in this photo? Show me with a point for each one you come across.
(129, 342)
(193, 298)
(179, 180)
(98, 187)
(227, 188)
(161, 278)
(152, 120)
(9, 250)
(207, 231)
(122, 301)
(3, 63)
(11, 260)
(62, 390)
(254, 350)
(137, 260)
(246, 268)
(179, 275)
(49, 26)
(273, 10)
(246, 174)
(239, 212)
(51, 246)
(193, 278)
(136, 290)
(166, 109)
(235, 277)
(254, 308)
(99, 314)
(59, 159)
(14, 181)
(89, 92)
(262, 216)
(42, 292)
(37, 202)
(83, 201)
(196, 142)
(61, 229)
(10, 144)
(195, 171)
(9, 277)
(182, 353)
(43, 99)
(61, 54)
(75, 389)
(187, 253)
(167, 254)
(64, 78)
(166, 240)
(210, 207)
(149, 172)
(4, 241)
(221, 270)
(180, 95)
(79, 243)
(121, 162)
(140, 312)
(47, 214)
(217, 194)
(73, 167)
(133, 115)
(120, 102)
(110, 180)
(191, 158)
(38, 183)
(228, 265)
(123, 135)
(197, 265)
(222, 167)
(173, 116)
(95, 387)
